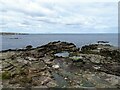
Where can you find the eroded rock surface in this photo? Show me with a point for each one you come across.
(90, 67)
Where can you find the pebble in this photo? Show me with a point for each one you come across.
(96, 67)
(65, 78)
(56, 66)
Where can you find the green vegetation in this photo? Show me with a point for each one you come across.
(6, 75)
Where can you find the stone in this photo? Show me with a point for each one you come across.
(77, 58)
(29, 47)
(102, 42)
(95, 60)
(22, 61)
(51, 84)
(62, 54)
(96, 67)
(56, 66)
(65, 78)
(31, 58)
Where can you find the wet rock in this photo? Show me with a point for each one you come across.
(102, 42)
(14, 38)
(29, 47)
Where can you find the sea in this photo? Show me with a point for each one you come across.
(21, 41)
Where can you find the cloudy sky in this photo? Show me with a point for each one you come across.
(59, 16)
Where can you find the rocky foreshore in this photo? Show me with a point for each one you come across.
(61, 65)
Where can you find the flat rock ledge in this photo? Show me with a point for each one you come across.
(92, 66)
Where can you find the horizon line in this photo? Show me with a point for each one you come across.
(56, 33)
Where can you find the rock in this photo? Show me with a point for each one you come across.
(6, 75)
(14, 38)
(96, 67)
(65, 78)
(76, 58)
(110, 53)
(78, 61)
(102, 42)
(56, 66)
(48, 60)
(29, 47)
(62, 54)
(31, 58)
(22, 61)
(113, 79)
(44, 82)
(89, 48)
(95, 60)
(51, 84)
(54, 47)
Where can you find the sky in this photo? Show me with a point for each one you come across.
(59, 16)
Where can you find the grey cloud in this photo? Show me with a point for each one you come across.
(58, 15)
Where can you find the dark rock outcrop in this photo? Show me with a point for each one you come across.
(102, 41)
(55, 47)
(29, 47)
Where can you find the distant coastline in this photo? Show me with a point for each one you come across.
(15, 33)
(9, 33)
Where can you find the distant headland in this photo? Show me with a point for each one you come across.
(12, 33)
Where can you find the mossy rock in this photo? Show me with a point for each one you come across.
(6, 75)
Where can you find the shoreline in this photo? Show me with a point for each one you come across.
(24, 49)
(61, 64)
